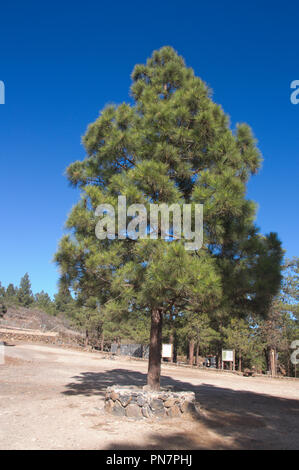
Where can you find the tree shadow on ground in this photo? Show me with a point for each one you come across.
(248, 420)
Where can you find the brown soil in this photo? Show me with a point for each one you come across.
(52, 398)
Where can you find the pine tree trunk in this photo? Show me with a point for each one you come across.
(219, 363)
(197, 353)
(171, 341)
(272, 362)
(275, 361)
(191, 352)
(86, 338)
(102, 342)
(118, 346)
(240, 362)
(155, 351)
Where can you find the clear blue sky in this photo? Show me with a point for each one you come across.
(63, 61)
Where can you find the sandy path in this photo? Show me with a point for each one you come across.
(52, 398)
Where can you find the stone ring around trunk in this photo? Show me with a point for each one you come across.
(136, 402)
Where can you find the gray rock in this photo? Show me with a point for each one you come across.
(165, 396)
(141, 400)
(146, 411)
(174, 411)
(125, 399)
(118, 409)
(156, 404)
(170, 402)
(133, 411)
(161, 413)
(134, 399)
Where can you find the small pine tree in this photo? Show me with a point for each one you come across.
(196, 329)
(25, 295)
(11, 292)
(238, 335)
(43, 300)
(63, 300)
(2, 291)
(290, 287)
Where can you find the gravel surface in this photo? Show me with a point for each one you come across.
(52, 398)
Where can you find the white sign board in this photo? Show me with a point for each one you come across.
(167, 350)
(228, 355)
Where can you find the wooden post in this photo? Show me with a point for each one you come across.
(171, 341)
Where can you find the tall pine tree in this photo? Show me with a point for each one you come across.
(172, 145)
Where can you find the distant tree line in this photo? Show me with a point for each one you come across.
(262, 343)
(23, 296)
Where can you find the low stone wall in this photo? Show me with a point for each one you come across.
(27, 335)
(134, 402)
(34, 336)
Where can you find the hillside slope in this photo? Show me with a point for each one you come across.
(24, 319)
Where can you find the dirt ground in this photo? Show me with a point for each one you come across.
(53, 398)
